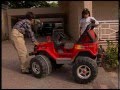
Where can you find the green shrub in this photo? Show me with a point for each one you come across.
(111, 59)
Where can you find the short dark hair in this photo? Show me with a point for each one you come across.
(30, 15)
(85, 11)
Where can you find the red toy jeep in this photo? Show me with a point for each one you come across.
(54, 53)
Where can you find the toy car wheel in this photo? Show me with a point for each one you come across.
(40, 66)
(84, 70)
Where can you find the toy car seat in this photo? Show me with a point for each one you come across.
(57, 37)
(61, 40)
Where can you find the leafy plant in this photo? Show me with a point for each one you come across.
(111, 59)
(29, 4)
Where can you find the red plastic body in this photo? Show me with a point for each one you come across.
(49, 48)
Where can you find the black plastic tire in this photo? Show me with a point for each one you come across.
(45, 66)
(88, 62)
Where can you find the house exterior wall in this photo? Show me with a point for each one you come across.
(23, 11)
(107, 15)
(75, 9)
(105, 10)
(18, 12)
(64, 5)
(4, 23)
(101, 10)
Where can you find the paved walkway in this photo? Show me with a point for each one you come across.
(13, 79)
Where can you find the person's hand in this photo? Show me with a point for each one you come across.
(36, 43)
(92, 21)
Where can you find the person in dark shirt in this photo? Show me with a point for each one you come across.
(17, 36)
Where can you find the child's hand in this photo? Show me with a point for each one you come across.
(92, 21)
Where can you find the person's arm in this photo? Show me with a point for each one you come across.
(96, 22)
(31, 33)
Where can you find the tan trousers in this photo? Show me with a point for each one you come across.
(19, 44)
